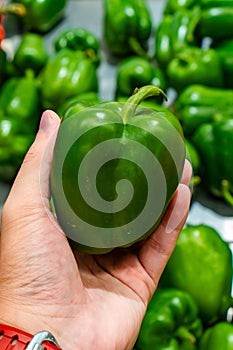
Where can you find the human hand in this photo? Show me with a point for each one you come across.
(86, 301)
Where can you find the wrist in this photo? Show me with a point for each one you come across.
(12, 337)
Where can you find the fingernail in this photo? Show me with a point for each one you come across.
(47, 120)
(179, 210)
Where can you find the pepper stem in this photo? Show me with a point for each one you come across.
(13, 9)
(138, 49)
(139, 95)
(184, 334)
(226, 192)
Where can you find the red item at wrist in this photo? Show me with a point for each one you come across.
(15, 339)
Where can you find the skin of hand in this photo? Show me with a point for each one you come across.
(86, 301)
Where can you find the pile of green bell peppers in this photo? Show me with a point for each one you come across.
(19, 117)
(206, 115)
(201, 265)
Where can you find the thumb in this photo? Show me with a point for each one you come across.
(31, 186)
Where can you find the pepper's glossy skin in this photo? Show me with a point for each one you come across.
(172, 6)
(175, 33)
(171, 322)
(216, 23)
(128, 126)
(195, 66)
(201, 264)
(76, 39)
(19, 116)
(198, 104)
(42, 15)
(219, 336)
(67, 74)
(225, 51)
(135, 72)
(127, 26)
(214, 143)
(31, 53)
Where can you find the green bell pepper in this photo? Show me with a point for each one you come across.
(76, 103)
(42, 15)
(220, 336)
(19, 117)
(76, 39)
(171, 322)
(66, 74)
(225, 51)
(31, 53)
(2, 65)
(175, 33)
(127, 26)
(201, 265)
(172, 6)
(145, 148)
(195, 65)
(215, 3)
(199, 104)
(15, 139)
(135, 72)
(214, 143)
(216, 23)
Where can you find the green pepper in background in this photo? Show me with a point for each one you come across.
(19, 99)
(201, 265)
(42, 15)
(195, 66)
(66, 74)
(19, 117)
(31, 53)
(219, 336)
(216, 23)
(199, 104)
(215, 3)
(171, 322)
(175, 33)
(225, 52)
(135, 72)
(193, 156)
(214, 143)
(77, 39)
(15, 139)
(127, 26)
(76, 103)
(175, 5)
(128, 125)
(2, 65)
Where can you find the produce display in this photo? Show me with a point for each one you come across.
(187, 54)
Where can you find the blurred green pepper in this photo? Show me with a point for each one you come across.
(225, 51)
(19, 117)
(198, 104)
(135, 72)
(172, 6)
(76, 39)
(67, 74)
(216, 22)
(171, 322)
(201, 265)
(219, 336)
(195, 66)
(42, 15)
(31, 53)
(2, 65)
(214, 143)
(175, 33)
(127, 26)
